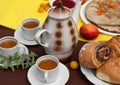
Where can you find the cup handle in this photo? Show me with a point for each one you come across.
(38, 36)
(23, 50)
(46, 77)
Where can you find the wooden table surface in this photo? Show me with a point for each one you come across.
(19, 76)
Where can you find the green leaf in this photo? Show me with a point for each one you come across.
(12, 68)
(11, 61)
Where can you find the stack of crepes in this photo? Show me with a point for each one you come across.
(104, 57)
(105, 14)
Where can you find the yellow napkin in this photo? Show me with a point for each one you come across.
(13, 12)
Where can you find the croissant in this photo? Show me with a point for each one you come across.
(94, 54)
(110, 71)
(114, 42)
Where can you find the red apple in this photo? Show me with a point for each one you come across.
(89, 31)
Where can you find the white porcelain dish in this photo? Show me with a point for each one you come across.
(18, 36)
(62, 79)
(83, 17)
(90, 75)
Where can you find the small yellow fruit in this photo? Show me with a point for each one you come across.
(41, 9)
(43, 5)
(47, 7)
(74, 64)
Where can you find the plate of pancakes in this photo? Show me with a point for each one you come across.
(105, 14)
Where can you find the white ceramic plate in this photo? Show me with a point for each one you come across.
(62, 79)
(22, 50)
(90, 75)
(82, 15)
(18, 36)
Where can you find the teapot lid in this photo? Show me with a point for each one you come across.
(59, 11)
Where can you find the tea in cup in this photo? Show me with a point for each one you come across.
(29, 28)
(48, 68)
(8, 46)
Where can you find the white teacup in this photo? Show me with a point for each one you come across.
(9, 46)
(29, 28)
(48, 68)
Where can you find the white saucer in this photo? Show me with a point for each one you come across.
(90, 75)
(18, 36)
(22, 50)
(62, 79)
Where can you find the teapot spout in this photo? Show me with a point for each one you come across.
(76, 11)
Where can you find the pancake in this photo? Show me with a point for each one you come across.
(110, 16)
(113, 29)
(109, 20)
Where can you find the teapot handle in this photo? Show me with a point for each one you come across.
(38, 37)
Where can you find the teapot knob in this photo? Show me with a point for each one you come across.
(59, 3)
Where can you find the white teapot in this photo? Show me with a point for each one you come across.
(59, 33)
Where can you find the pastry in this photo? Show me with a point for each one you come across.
(94, 54)
(104, 57)
(114, 42)
(110, 71)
